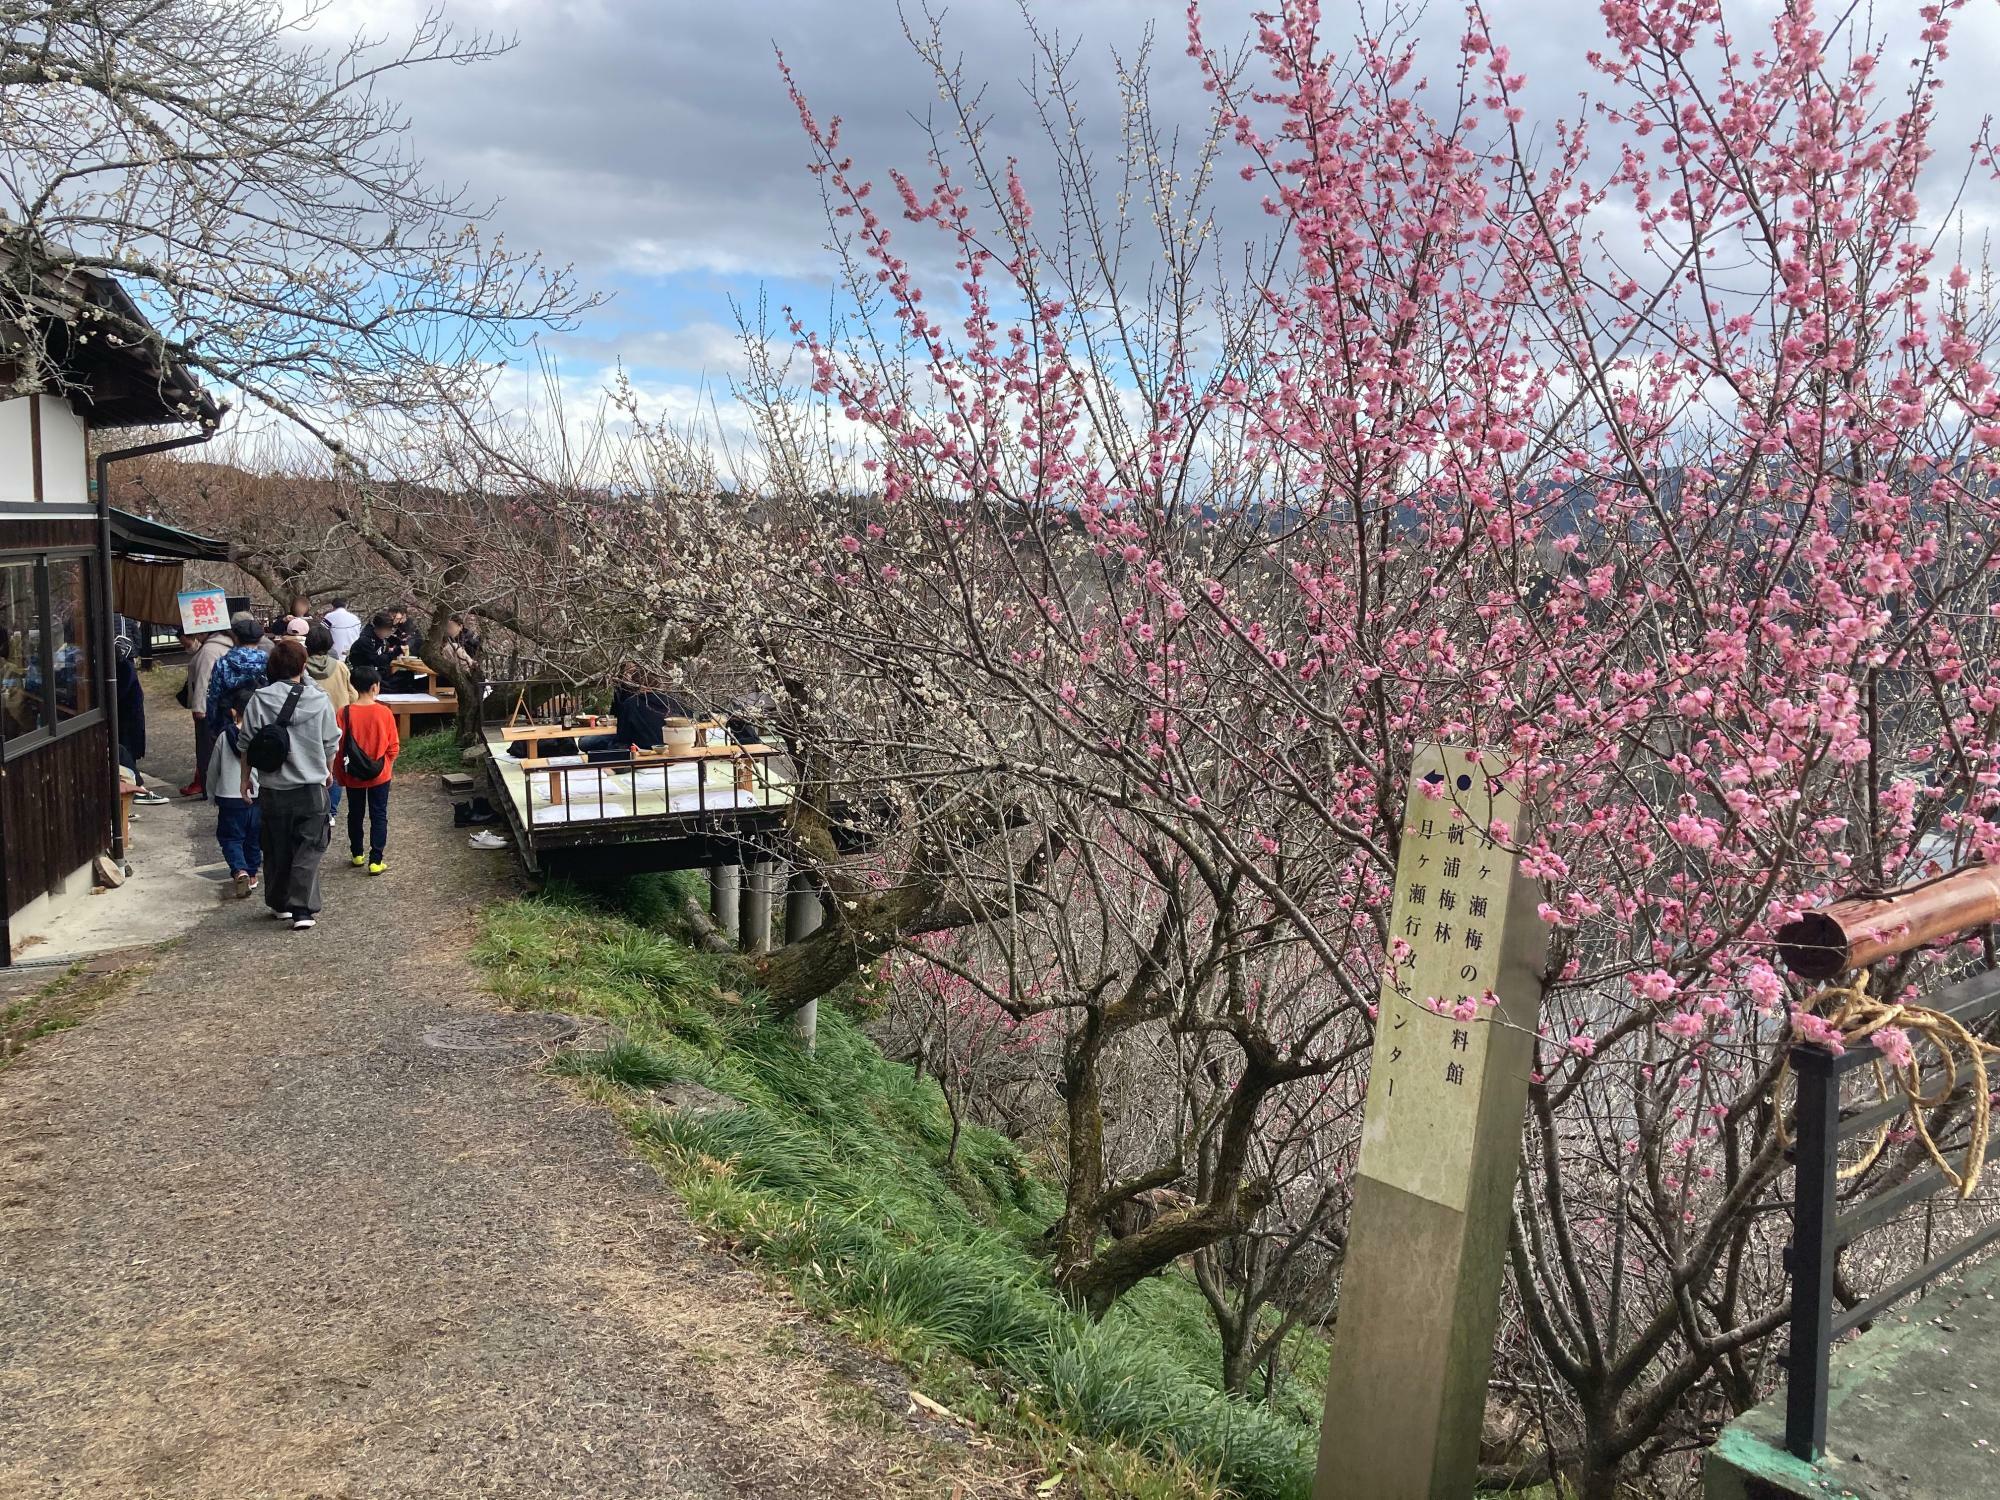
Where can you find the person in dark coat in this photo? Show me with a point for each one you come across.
(377, 646)
(409, 643)
(132, 716)
(642, 718)
(409, 639)
(641, 715)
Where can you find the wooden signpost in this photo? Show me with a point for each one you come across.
(1440, 1146)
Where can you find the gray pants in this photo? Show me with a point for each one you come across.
(295, 833)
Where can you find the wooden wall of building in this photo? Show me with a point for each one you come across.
(56, 811)
(37, 532)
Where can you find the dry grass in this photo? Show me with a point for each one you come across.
(62, 1002)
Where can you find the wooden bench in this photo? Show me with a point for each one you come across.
(408, 707)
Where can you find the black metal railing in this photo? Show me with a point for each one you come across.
(532, 698)
(576, 791)
(1824, 1223)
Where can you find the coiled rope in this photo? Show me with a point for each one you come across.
(1857, 1016)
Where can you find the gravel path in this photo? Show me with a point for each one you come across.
(259, 1238)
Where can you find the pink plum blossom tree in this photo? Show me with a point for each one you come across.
(1650, 452)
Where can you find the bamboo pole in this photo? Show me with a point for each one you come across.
(1857, 931)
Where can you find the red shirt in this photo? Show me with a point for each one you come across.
(373, 728)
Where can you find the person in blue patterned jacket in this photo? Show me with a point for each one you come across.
(244, 666)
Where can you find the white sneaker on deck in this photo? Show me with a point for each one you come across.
(301, 924)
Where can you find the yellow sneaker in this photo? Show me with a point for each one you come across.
(378, 867)
(358, 861)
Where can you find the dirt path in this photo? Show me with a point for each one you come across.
(258, 1237)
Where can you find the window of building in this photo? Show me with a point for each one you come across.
(49, 645)
(71, 638)
(22, 708)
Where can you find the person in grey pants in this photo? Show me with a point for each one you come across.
(292, 799)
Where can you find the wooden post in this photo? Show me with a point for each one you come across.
(1815, 1250)
(758, 878)
(1440, 1146)
(725, 885)
(802, 919)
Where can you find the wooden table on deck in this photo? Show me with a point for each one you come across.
(408, 706)
(534, 734)
(423, 669)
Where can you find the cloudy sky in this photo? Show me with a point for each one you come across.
(650, 142)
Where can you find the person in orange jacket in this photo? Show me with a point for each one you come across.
(365, 764)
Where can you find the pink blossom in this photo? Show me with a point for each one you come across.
(1893, 1042)
(1815, 1029)
(1767, 990)
(1656, 985)
(1683, 1024)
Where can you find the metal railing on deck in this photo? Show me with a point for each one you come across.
(536, 698)
(1823, 1223)
(622, 788)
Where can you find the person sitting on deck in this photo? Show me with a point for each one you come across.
(641, 715)
(744, 717)
(460, 649)
(377, 646)
(245, 665)
(642, 718)
(409, 643)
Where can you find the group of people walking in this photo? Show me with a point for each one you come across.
(287, 723)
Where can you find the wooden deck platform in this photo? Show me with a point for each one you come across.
(571, 816)
(1915, 1411)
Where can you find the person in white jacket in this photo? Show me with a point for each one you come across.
(345, 625)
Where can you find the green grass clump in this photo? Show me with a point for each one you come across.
(430, 750)
(633, 1065)
(838, 1170)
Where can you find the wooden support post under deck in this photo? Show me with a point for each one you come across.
(725, 885)
(802, 919)
(759, 877)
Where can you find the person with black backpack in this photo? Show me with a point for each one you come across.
(369, 745)
(289, 738)
(233, 785)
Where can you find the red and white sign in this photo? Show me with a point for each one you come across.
(203, 611)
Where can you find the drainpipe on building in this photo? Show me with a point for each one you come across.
(109, 688)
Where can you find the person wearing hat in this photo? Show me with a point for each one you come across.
(132, 717)
(205, 653)
(244, 666)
